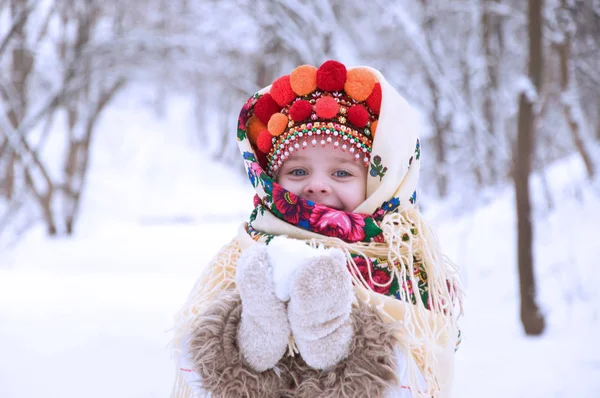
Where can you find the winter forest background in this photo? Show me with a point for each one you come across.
(120, 176)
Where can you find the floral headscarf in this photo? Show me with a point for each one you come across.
(391, 181)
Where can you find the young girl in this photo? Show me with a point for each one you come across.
(336, 286)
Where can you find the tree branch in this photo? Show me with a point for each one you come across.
(17, 26)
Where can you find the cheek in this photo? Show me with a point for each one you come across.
(353, 194)
(288, 185)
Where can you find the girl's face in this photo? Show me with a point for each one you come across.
(327, 176)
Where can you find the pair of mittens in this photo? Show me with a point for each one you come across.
(288, 288)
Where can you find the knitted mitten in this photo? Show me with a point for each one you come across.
(321, 296)
(264, 330)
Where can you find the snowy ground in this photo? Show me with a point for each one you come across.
(90, 316)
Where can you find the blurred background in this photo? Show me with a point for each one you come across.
(120, 176)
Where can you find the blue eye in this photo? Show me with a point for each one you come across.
(298, 173)
(341, 174)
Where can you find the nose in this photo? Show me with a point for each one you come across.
(317, 186)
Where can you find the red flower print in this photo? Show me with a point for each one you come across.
(379, 238)
(336, 223)
(407, 286)
(382, 278)
(378, 215)
(290, 205)
(244, 113)
(378, 276)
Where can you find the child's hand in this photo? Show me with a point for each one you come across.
(318, 286)
(319, 309)
(264, 328)
(286, 256)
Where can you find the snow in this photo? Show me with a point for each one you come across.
(286, 256)
(565, 361)
(89, 316)
(524, 85)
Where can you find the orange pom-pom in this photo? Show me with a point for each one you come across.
(255, 126)
(374, 100)
(327, 107)
(373, 128)
(264, 142)
(277, 124)
(359, 83)
(303, 79)
(282, 92)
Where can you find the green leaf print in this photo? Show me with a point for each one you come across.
(377, 168)
(371, 229)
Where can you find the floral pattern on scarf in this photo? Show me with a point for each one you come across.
(379, 276)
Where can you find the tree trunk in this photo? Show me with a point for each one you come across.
(532, 319)
(467, 71)
(439, 141)
(8, 180)
(569, 96)
(45, 202)
(21, 66)
(441, 121)
(77, 162)
(489, 26)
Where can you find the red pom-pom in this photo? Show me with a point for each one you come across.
(331, 76)
(282, 92)
(300, 110)
(358, 116)
(327, 107)
(374, 100)
(265, 107)
(262, 159)
(264, 142)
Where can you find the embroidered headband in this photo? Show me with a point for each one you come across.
(328, 105)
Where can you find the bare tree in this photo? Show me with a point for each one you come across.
(569, 91)
(586, 58)
(83, 91)
(84, 107)
(20, 67)
(492, 41)
(532, 319)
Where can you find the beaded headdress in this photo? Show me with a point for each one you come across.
(330, 105)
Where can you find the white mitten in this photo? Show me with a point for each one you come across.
(286, 256)
(264, 330)
(321, 297)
